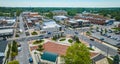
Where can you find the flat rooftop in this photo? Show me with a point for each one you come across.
(6, 31)
(50, 24)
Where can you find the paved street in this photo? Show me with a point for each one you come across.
(24, 54)
(102, 47)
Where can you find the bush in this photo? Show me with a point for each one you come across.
(38, 41)
(16, 35)
(62, 39)
(70, 40)
(13, 62)
(34, 33)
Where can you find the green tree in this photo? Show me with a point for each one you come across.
(77, 53)
(50, 15)
(13, 62)
(105, 30)
(40, 48)
(116, 59)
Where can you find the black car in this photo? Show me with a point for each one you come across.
(92, 39)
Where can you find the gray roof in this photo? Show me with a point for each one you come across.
(3, 45)
(6, 31)
(1, 59)
(99, 57)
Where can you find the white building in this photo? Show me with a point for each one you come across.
(51, 26)
(60, 18)
(6, 32)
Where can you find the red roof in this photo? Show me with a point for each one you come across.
(55, 48)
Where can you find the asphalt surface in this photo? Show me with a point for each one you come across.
(24, 54)
(106, 49)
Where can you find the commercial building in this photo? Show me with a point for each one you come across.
(78, 23)
(7, 22)
(49, 58)
(3, 48)
(95, 19)
(6, 32)
(60, 18)
(50, 26)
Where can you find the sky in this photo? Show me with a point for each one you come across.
(59, 3)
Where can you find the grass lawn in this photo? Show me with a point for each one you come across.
(70, 40)
(110, 61)
(38, 41)
(63, 39)
(34, 33)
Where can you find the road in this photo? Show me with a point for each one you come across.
(24, 54)
(102, 47)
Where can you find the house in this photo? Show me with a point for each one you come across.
(49, 57)
(59, 12)
(3, 47)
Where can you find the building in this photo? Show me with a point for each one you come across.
(100, 59)
(6, 32)
(3, 47)
(59, 12)
(49, 57)
(7, 22)
(50, 26)
(60, 18)
(55, 48)
(94, 18)
(78, 23)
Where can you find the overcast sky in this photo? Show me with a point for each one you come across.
(60, 3)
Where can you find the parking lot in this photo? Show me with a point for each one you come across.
(109, 37)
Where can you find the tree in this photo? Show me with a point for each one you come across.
(116, 59)
(105, 30)
(13, 62)
(77, 53)
(50, 15)
(40, 48)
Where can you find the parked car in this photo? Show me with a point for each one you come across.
(30, 60)
(76, 32)
(19, 49)
(92, 39)
(101, 38)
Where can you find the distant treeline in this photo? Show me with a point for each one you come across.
(110, 12)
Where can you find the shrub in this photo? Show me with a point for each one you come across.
(70, 40)
(34, 33)
(62, 39)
